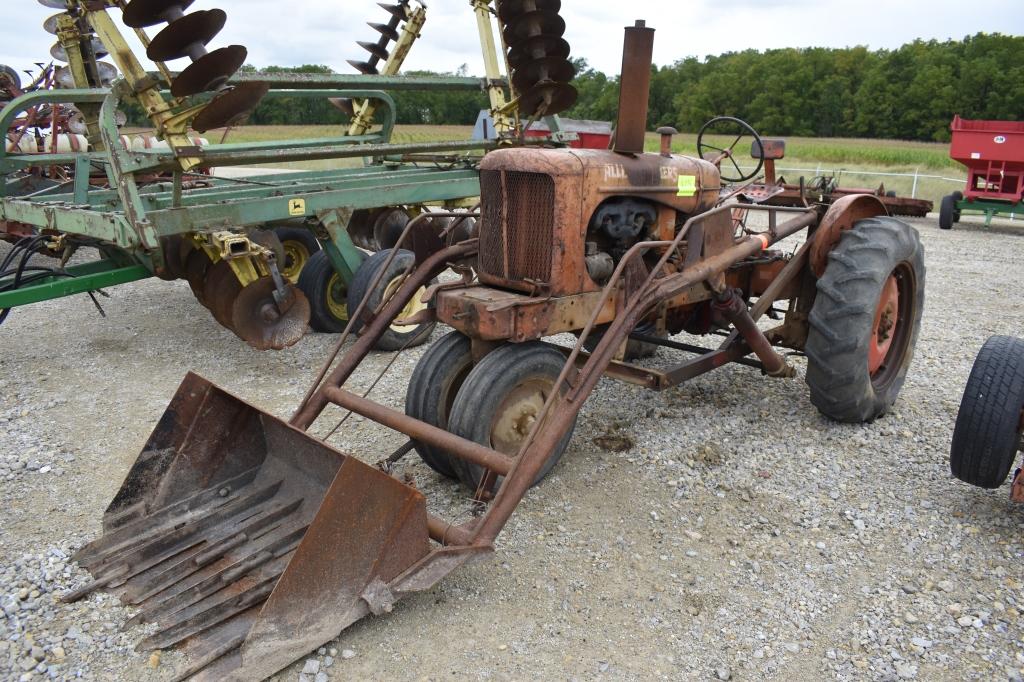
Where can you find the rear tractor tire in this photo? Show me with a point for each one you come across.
(989, 424)
(865, 320)
(327, 293)
(435, 382)
(501, 399)
(397, 336)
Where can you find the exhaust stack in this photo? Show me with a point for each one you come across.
(635, 88)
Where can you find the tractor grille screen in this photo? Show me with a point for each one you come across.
(517, 225)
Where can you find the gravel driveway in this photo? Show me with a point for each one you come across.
(739, 536)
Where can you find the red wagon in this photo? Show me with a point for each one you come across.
(993, 152)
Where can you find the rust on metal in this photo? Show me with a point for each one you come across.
(1017, 488)
(842, 215)
(250, 542)
(635, 85)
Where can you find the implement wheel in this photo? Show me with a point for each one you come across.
(990, 422)
(397, 336)
(865, 320)
(299, 246)
(501, 399)
(435, 382)
(327, 293)
(947, 212)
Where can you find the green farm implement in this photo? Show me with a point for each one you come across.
(211, 230)
(267, 254)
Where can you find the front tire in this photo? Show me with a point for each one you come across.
(327, 294)
(989, 424)
(299, 246)
(865, 320)
(500, 400)
(395, 337)
(433, 386)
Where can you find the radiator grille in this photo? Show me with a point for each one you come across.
(517, 225)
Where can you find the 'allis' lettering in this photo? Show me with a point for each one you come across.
(616, 171)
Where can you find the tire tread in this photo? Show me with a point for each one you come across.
(986, 435)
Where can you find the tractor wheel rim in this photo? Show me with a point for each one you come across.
(337, 298)
(414, 305)
(884, 328)
(893, 326)
(296, 255)
(517, 414)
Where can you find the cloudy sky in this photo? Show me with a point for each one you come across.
(293, 32)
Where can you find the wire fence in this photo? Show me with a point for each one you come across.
(916, 177)
(934, 186)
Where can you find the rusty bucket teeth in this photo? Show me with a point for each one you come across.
(385, 30)
(145, 13)
(249, 543)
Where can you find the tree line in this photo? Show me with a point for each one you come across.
(909, 93)
(412, 107)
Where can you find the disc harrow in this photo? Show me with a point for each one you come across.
(186, 36)
(101, 74)
(538, 56)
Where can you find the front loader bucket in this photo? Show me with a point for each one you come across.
(248, 542)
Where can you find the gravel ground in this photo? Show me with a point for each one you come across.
(740, 536)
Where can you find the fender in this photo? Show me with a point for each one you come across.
(842, 215)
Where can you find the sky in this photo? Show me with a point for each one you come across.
(324, 31)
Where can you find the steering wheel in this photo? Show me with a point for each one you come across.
(729, 128)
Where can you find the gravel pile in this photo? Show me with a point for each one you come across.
(722, 530)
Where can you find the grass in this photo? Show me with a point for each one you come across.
(926, 156)
(847, 158)
(854, 160)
